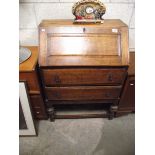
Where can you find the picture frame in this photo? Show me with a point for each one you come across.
(26, 121)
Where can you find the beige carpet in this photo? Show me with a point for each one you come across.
(98, 136)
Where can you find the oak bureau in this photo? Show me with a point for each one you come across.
(83, 66)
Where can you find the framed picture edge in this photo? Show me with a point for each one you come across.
(26, 107)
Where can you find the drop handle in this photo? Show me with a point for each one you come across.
(57, 95)
(84, 29)
(107, 95)
(57, 79)
(110, 77)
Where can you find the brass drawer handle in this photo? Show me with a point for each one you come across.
(110, 77)
(57, 95)
(84, 30)
(57, 79)
(107, 95)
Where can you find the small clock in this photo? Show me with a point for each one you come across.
(88, 11)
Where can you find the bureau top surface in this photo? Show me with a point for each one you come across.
(67, 22)
(29, 64)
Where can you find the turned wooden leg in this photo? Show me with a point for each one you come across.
(111, 115)
(113, 110)
(51, 114)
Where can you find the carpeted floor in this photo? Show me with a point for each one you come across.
(98, 136)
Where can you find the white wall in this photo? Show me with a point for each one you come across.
(33, 11)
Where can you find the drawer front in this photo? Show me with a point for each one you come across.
(31, 79)
(37, 101)
(39, 113)
(83, 76)
(38, 106)
(83, 93)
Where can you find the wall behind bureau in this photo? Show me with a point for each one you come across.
(31, 12)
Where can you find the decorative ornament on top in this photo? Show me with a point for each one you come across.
(88, 11)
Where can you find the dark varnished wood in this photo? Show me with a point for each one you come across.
(83, 93)
(81, 111)
(79, 116)
(127, 101)
(36, 100)
(50, 103)
(38, 106)
(28, 72)
(32, 81)
(39, 113)
(55, 77)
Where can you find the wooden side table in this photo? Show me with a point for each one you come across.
(28, 71)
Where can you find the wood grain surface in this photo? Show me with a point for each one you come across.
(63, 43)
(29, 64)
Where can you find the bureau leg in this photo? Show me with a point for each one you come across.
(113, 110)
(51, 114)
(111, 115)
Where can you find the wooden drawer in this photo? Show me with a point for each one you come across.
(54, 77)
(36, 101)
(83, 93)
(39, 113)
(32, 81)
(38, 106)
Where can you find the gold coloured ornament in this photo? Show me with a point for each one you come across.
(89, 11)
